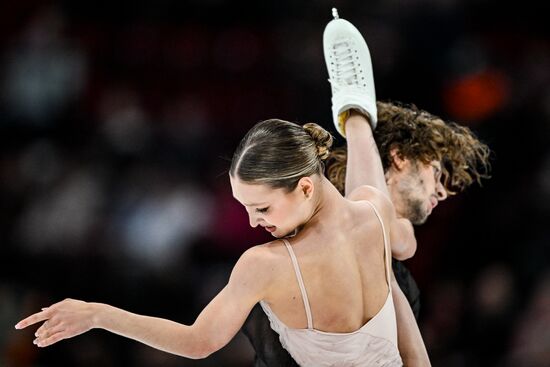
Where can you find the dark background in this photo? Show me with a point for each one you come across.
(117, 120)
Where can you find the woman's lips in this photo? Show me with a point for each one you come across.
(270, 228)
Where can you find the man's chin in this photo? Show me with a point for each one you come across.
(418, 217)
(420, 221)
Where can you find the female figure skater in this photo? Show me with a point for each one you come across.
(326, 290)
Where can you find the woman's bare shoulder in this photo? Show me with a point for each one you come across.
(262, 260)
(365, 192)
(376, 197)
(255, 272)
(267, 251)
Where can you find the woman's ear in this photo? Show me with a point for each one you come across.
(306, 187)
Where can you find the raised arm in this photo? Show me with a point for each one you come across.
(215, 326)
(364, 166)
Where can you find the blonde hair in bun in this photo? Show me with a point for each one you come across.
(322, 138)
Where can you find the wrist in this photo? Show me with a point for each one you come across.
(352, 116)
(357, 125)
(99, 316)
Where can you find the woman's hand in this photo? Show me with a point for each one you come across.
(62, 320)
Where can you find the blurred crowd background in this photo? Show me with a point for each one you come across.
(118, 120)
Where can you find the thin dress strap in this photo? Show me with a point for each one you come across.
(387, 258)
(300, 283)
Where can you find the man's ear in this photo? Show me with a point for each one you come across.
(397, 159)
(306, 187)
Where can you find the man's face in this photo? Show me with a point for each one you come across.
(416, 189)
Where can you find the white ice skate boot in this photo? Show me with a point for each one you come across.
(350, 71)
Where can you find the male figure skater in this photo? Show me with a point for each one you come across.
(414, 157)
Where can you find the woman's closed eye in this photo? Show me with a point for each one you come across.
(262, 210)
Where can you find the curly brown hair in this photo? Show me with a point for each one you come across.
(420, 136)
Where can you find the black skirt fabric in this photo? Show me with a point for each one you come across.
(265, 341)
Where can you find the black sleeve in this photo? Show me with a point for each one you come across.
(265, 341)
(408, 285)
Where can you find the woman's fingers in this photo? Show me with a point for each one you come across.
(52, 334)
(51, 338)
(62, 320)
(43, 315)
(33, 319)
(49, 327)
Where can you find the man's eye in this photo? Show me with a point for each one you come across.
(262, 210)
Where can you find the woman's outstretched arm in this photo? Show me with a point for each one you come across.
(216, 325)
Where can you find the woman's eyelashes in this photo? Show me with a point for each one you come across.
(262, 210)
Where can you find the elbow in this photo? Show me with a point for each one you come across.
(200, 344)
(411, 250)
(404, 252)
(403, 240)
(200, 355)
(205, 348)
(199, 349)
(200, 352)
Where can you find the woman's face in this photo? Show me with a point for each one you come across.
(278, 211)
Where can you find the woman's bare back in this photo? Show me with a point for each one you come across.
(341, 260)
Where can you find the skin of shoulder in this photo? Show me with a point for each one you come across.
(377, 198)
(255, 269)
(401, 231)
(258, 268)
(251, 279)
